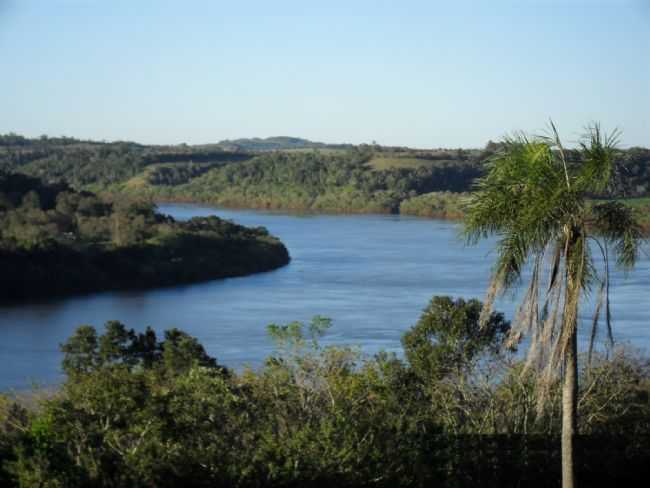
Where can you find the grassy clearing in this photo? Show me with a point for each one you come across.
(379, 163)
(326, 150)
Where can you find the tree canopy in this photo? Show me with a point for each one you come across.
(54, 240)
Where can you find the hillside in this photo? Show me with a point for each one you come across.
(91, 164)
(278, 143)
(310, 181)
(281, 172)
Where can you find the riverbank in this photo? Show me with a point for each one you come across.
(57, 242)
(434, 205)
(188, 257)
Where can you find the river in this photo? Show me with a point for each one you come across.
(371, 274)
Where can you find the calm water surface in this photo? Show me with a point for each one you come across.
(372, 274)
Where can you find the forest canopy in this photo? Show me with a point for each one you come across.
(285, 173)
(55, 240)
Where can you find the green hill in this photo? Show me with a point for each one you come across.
(276, 144)
(280, 172)
(310, 181)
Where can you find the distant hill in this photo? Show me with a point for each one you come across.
(278, 143)
(279, 172)
(85, 163)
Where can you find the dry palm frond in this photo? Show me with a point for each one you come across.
(534, 198)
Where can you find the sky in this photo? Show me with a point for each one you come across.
(411, 73)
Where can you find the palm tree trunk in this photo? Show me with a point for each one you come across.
(569, 412)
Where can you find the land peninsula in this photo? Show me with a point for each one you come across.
(58, 241)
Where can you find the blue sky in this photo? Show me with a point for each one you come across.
(417, 73)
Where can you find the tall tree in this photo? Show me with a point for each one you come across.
(535, 198)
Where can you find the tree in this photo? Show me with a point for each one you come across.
(87, 353)
(448, 336)
(536, 199)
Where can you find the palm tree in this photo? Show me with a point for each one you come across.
(536, 198)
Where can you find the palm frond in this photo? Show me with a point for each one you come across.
(603, 300)
(557, 142)
(528, 317)
(598, 159)
(534, 199)
(619, 225)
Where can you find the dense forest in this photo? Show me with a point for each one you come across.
(285, 173)
(141, 410)
(311, 181)
(93, 165)
(55, 241)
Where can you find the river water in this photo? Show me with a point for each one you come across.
(371, 274)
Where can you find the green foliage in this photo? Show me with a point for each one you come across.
(317, 181)
(87, 163)
(139, 411)
(448, 337)
(181, 352)
(535, 199)
(54, 240)
(292, 336)
(289, 173)
(278, 143)
(85, 353)
(440, 205)
(81, 351)
(620, 227)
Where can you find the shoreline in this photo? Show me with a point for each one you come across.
(303, 210)
(446, 216)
